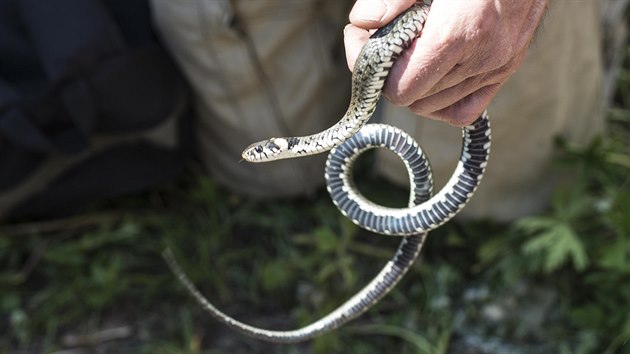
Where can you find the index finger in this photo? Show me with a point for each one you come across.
(354, 39)
(427, 60)
(372, 14)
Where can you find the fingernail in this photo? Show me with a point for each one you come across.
(373, 10)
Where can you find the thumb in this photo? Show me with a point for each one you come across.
(370, 14)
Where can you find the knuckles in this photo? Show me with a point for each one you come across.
(455, 115)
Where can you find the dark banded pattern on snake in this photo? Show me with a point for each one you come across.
(351, 137)
(419, 218)
(370, 136)
(368, 78)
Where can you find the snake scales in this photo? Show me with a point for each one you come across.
(349, 138)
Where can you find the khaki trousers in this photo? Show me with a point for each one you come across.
(276, 68)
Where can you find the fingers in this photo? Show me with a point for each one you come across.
(531, 25)
(368, 15)
(462, 59)
(466, 52)
(371, 14)
(429, 59)
(465, 110)
(419, 69)
(459, 95)
(461, 104)
(447, 97)
(354, 39)
(401, 87)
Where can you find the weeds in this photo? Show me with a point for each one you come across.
(284, 264)
(557, 282)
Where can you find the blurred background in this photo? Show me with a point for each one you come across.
(81, 269)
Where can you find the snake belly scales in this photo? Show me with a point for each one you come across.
(349, 138)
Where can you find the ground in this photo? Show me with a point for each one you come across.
(551, 283)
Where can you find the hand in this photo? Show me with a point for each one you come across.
(468, 49)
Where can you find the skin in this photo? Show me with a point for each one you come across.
(467, 51)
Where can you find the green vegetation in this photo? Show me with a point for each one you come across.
(552, 283)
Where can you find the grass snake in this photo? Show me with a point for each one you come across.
(348, 139)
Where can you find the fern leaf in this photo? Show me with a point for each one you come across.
(556, 242)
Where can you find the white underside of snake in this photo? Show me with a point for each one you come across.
(350, 137)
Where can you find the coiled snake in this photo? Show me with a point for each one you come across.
(349, 138)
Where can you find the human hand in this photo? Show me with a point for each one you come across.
(467, 50)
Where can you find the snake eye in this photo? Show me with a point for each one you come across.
(258, 149)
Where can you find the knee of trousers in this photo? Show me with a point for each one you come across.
(259, 69)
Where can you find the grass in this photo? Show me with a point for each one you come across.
(557, 282)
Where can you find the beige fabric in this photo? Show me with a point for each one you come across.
(260, 69)
(275, 67)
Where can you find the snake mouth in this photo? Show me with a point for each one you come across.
(254, 153)
(266, 150)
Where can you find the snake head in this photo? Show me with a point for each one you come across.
(266, 150)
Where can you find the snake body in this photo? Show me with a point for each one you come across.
(349, 138)
(387, 278)
(368, 77)
(418, 218)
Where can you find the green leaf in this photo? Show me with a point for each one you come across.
(615, 255)
(618, 213)
(490, 250)
(621, 339)
(275, 275)
(556, 241)
(536, 224)
(590, 315)
(327, 240)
